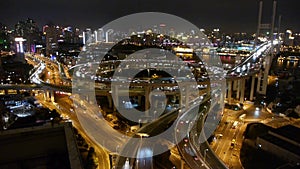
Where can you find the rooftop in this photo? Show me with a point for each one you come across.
(39, 147)
(289, 131)
(281, 143)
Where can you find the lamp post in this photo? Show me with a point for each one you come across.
(140, 120)
(137, 164)
(117, 147)
(205, 152)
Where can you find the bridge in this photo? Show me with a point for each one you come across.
(255, 67)
(194, 154)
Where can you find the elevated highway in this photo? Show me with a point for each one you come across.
(196, 155)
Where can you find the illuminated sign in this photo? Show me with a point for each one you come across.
(19, 39)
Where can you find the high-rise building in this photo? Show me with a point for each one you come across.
(288, 38)
(51, 34)
(19, 41)
(4, 38)
(29, 31)
(70, 35)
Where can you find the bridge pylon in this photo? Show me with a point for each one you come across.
(263, 74)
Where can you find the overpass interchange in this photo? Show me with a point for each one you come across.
(248, 67)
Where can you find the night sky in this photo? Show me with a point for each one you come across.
(228, 15)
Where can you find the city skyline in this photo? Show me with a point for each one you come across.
(233, 16)
(150, 84)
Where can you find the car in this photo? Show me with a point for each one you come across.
(232, 144)
(235, 124)
(196, 158)
(235, 107)
(219, 135)
(186, 140)
(292, 58)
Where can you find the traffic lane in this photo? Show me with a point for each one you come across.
(186, 149)
(133, 146)
(140, 153)
(220, 145)
(98, 129)
(190, 157)
(211, 158)
(101, 153)
(137, 152)
(235, 160)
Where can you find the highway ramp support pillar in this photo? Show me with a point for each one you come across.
(252, 88)
(238, 89)
(242, 90)
(229, 88)
(52, 97)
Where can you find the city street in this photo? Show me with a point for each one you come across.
(64, 107)
(229, 135)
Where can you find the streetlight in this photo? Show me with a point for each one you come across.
(137, 164)
(140, 123)
(154, 114)
(117, 147)
(205, 151)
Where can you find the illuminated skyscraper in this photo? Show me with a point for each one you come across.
(29, 31)
(4, 38)
(288, 38)
(19, 42)
(51, 34)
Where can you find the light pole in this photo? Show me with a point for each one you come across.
(137, 164)
(205, 151)
(154, 114)
(140, 123)
(117, 147)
